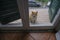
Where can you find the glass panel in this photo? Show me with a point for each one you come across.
(9, 12)
(53, 9)
(38, 13)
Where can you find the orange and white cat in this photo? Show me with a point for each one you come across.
(33, 17)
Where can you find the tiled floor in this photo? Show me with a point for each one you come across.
(27, 36)
(40, 36)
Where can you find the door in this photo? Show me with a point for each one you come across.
(53, 9)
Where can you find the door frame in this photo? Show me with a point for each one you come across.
(23, 9)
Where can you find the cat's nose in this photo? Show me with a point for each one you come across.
(33, 16)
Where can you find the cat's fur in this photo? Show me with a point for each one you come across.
(33, 17)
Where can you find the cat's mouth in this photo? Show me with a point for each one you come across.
(34, 16)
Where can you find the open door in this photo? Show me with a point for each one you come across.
(55, 4)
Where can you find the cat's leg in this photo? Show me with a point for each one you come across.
(33, 21)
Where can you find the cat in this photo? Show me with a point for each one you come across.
(33, 17)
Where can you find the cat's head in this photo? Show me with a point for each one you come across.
(34, 13)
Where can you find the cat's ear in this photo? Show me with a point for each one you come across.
(32, 12)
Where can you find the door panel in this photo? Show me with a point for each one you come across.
(53, 9)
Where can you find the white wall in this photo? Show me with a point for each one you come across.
(58, 35)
